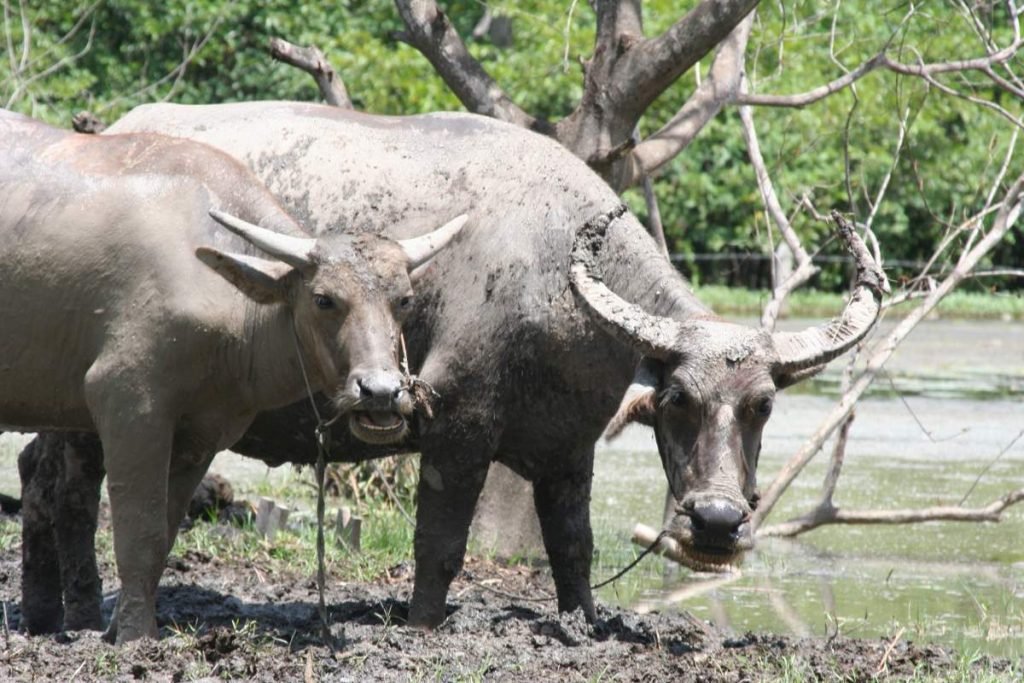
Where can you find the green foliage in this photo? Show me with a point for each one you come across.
(953, 148)
(127, 52)
(10, 533)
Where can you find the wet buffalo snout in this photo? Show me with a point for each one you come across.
(378, 390)
(719, 523)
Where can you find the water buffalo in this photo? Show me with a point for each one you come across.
(128, 310)
(531, 327)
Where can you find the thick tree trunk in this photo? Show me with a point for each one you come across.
(505, 522)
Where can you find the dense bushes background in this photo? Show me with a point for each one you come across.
(127, 52)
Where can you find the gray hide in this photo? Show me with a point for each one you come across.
(525, 328)
(130, 312)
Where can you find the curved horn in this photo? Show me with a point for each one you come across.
(292, 250)
(419, 250)
(818, 345)
(649, 334)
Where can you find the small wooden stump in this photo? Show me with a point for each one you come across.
(270, 518)
(347, 529)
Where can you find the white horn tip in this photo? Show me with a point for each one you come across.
(226, 219)
(419, 250)
(222, 216)
(456, 223)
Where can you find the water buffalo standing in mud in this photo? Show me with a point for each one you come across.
(531, 328)
(130, 311)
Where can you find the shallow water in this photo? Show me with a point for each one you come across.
(958, 584)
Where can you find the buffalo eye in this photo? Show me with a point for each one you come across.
(405, 302)
(677, 398)
(763, 407)
(323, 301)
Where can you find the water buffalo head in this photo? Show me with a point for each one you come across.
(348, 296)
(707, 387)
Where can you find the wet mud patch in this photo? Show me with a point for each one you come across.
(232, 619)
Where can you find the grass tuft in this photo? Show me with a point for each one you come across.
(814, 304)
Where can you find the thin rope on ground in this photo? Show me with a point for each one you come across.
(511, 596)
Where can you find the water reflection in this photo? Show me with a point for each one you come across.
(956, 584)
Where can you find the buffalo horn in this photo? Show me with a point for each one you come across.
(419, 250)
(649, 334)
(292, 250)
(816, 346)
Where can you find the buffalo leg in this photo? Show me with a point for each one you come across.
(448, 491)
(136, 455)
(563, 507)
(184, 479)
(77, 503)
(41, 607)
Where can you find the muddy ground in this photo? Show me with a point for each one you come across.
(224, 618)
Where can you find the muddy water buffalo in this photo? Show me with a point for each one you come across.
(531, 327)
(130, 311)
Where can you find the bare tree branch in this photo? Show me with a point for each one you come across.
(884, 185)
(26, 36)
(177, 73)
(9, 39)
(30, 60)
(626, 73)
(566, 34)
(720, 88)
(999, 272)
(805, 269)
(1006, 85)
(1007, 216)
(1002, 111)
(619, 24)
(654, 224)
(430, 32)
(883, 61)
(312, 60)
(63, 62)
(835, 468)
(825, 509)
(653, 65)
(987, 467)
(940, 513)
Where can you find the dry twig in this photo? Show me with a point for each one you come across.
(312, 60)
(1009, 212)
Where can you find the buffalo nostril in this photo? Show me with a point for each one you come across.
(378, 390)
(364, 391)
(718, 519)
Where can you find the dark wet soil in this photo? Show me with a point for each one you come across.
(224, 618)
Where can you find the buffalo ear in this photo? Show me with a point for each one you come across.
(639, 406)
(261, 280)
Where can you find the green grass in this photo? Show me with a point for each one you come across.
(10, 533)
(386, 540)
(815, 304)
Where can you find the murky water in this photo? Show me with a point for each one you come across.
(959, 584)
